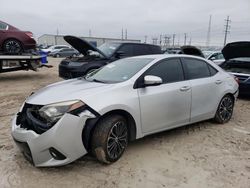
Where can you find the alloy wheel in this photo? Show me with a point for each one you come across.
(226, 108)
(12, 46)
(117, 140)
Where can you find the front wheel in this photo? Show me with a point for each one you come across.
(110, 138)
(225, 110)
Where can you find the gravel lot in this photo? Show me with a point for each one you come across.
(199, 155)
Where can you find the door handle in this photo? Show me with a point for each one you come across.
(185, 88)
(218, 81)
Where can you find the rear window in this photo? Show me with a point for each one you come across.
(196, 68)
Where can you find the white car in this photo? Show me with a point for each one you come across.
(215, 56)
(54, 48)
(120, 102)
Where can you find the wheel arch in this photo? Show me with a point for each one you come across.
(91, 124)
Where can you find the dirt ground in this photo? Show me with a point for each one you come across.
(196, 156)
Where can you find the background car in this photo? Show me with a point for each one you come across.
(94, 58)
(64, 52)
(120, 102)
(15, 41)
(237, 55)
(54, 48)
(215, 56)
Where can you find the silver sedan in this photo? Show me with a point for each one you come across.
(123, 101)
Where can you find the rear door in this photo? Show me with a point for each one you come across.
(166, 105)
(206, 88)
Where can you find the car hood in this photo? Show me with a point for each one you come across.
(236, 49)
(73, 89)
(82, 45)
(191, 50)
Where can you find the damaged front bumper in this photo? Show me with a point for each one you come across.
(58, 146)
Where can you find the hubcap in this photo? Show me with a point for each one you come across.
(12, 47)
(226, 108)
(117, 140)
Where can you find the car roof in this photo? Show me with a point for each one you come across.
(163, 56)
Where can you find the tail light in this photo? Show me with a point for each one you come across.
(236, 79)
(29, 34)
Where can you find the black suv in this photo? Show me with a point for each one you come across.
(94, 58)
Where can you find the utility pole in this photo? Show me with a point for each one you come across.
(160, 40)
(190, 40)
(226, 29)
(178, 40)
(154, 40)
(173, 39)
(126, 34)
(122, 33)
(146, 37)
(209, 31)
(89, 32)
(185, 38)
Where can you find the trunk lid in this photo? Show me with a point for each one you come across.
(236, 50)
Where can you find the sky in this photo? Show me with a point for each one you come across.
(151, 18)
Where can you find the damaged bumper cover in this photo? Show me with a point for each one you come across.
(58, 146)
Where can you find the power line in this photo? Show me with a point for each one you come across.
(226, 29)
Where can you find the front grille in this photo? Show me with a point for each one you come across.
(30, 120)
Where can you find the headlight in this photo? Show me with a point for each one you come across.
(53, 112)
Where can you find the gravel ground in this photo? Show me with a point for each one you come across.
(199, 155)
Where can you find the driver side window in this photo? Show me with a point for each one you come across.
(169, 70)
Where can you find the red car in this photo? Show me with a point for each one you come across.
(15, 41)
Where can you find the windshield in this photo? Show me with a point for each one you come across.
(108, 48)
(118, 71)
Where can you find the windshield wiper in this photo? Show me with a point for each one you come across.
(99, 81)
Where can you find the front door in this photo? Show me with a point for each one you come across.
(167, 105)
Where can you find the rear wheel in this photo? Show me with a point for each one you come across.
(225, 110)
(110, 138)
(12, 46)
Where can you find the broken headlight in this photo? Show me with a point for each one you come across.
(53, 112)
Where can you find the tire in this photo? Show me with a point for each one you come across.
(57, 55)
(12, 46)
(225, 110)
(110, 139)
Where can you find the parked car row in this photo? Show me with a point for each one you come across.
(94, 58)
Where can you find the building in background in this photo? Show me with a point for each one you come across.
(48, 39)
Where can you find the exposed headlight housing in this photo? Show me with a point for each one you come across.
(53, 112)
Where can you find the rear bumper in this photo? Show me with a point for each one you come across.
(58, 146)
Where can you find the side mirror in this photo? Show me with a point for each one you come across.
(119, 54)
(150, 80)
